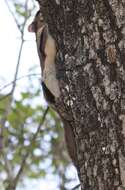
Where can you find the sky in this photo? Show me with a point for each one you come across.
(9, 48)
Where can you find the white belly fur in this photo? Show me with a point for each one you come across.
(49, 78)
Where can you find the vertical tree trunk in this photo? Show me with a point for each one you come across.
(90, 38)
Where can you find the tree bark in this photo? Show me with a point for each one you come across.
(90, 39)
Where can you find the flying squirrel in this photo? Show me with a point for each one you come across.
(47, 53)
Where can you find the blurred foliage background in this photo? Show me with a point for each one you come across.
(32, 142)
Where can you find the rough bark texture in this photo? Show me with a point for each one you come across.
(90, 37)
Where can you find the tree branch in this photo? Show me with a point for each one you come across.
(25, 76)
(8, 107)
(23, 163)
(16, 21)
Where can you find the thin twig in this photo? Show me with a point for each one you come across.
(3, 120)
(5, 96)
(8, 168)
(17, 68)
(8, 107)
(16, 21)
(25, 76)
(22, 42)
(21, 47)
(23, 163)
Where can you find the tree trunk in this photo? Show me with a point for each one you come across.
(90, 38)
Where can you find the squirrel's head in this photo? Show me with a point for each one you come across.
(37, 23)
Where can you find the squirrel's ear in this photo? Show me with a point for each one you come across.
(31, 27)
